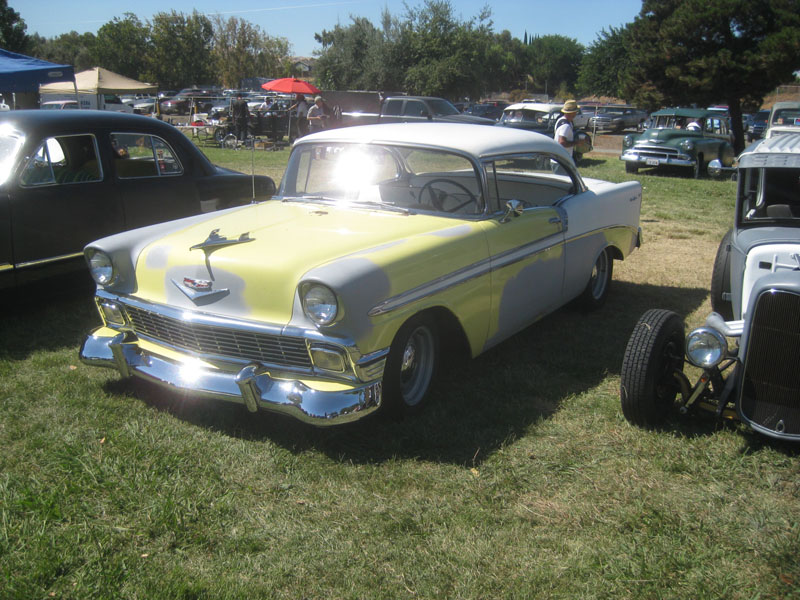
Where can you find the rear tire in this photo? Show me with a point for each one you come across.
(596, 292)
(654, 353)
(721, 279)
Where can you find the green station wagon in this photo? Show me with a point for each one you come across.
(682, 137)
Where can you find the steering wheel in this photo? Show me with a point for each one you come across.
(438, 196)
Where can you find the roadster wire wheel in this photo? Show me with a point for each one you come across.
(648, 385)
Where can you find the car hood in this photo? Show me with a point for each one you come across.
(664, 136)
(364, 255)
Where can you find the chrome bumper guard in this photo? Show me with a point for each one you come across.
(252, 386)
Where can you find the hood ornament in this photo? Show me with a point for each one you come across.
(200, 291)
(215, 240)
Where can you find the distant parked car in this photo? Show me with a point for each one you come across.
(68, 177)
(493, 110)
(755, 296)
(390, 247)
(541, 118)
(188, 99)
(617, 118)
(784, 118)
(758, 126)
(60, 105)
(681, 137)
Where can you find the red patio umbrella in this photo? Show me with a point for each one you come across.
(290, 85)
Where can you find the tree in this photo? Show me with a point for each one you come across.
(73, 48)
(181, 51)
(351, 56)
(604, 67)
(242, 50)
(553, 61)
(710, 51)
(123, 46)
(12, 30)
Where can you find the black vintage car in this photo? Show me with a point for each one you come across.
(70, 177)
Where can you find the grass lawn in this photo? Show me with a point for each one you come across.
(521, 480)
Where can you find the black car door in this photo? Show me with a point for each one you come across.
(155, 179)
(61, 199)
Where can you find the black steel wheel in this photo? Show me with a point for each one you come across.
(596, 291)
(410, 366)
(654, 354)
(721, 279)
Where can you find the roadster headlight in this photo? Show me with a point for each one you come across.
(101, 267)
(319, 303)
(706, 347)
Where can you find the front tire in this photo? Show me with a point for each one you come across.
(410, 367)
(699, 167)
(654, 354)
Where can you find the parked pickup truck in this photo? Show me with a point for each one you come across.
(369, 108)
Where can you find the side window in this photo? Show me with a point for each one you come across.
(393, 108)
(414, 108)
(139, 155)
(63, 160)
(533, 179)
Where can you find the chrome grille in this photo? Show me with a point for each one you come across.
(220, 341)
(771, 383)
(649, 151)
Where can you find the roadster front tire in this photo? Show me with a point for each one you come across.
(653, 357)
(721, 279)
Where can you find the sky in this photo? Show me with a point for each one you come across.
(299, 20)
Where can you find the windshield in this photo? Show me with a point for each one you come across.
(522, 115)
(10, 143)
(384, 177)
(770, 194)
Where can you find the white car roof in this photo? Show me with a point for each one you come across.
(778, 151)
(478, 140)
(540, 106)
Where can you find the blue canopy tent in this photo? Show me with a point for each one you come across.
(20, 73)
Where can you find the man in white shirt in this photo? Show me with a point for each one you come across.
(565, 133)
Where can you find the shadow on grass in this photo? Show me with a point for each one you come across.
(46, 317)
(476, 406)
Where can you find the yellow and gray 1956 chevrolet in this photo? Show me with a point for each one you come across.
(331, 300)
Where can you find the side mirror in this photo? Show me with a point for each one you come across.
(514, 208)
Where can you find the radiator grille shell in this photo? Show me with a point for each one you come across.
(770, 390)
(219, 341)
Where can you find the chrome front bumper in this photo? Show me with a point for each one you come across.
(252, 385)
(649, 161)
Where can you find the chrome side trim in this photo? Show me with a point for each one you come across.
(45, 261)
(445, 282)
(6, 267)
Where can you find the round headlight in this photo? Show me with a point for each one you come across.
(706, 347)
(687, 145)
(627, 141)
(319, 304)
(101, 267)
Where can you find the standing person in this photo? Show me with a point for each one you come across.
(241, 115)
(564, 132)
(301, 106)
(317, 116)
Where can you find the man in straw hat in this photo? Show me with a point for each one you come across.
(565, 133)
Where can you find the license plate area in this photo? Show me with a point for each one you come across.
(652, 162)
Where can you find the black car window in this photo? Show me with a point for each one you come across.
(414, 108)
(393, 108)
(141, 155)
(63, 160)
